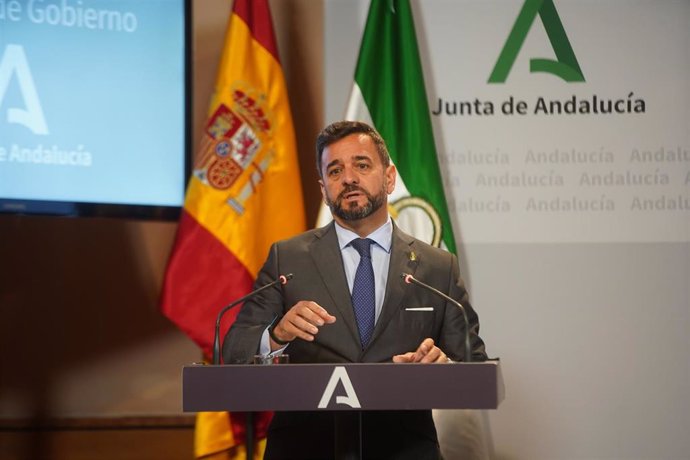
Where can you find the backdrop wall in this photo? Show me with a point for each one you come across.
(573, 228)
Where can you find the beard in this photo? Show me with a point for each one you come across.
(354, 211)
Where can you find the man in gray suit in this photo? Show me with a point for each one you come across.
(347, 302)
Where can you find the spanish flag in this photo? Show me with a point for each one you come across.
(243, 195)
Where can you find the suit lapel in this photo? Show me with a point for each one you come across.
(326, 254)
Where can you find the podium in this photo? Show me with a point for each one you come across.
(345, 388)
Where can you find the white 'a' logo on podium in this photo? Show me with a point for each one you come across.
(340, 375)
(14, 61)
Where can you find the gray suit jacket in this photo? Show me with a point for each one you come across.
(315, 261)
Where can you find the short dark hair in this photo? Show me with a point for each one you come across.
(340, 129)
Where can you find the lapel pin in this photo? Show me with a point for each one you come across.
(413, 256)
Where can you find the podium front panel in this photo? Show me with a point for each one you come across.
(360, 386)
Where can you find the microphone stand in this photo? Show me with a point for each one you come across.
(282, 279)
(409, 279)
(249, 421)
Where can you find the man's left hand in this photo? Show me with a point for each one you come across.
(426, 353)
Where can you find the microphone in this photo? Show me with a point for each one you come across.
(409, 279)
(282, 279)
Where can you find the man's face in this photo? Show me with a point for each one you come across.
(355, 183)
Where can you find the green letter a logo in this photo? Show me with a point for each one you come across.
(565, 67)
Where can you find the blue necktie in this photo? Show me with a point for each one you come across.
(363, 291)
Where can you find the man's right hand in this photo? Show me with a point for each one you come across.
(302, 320)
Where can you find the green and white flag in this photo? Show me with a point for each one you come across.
(389, 93)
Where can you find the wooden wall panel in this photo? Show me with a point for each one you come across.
(101, 444)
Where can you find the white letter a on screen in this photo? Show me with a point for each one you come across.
(340, 375)
(14, 60)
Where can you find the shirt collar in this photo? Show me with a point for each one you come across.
(381, 236)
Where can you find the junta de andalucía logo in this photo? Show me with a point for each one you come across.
(565, 66)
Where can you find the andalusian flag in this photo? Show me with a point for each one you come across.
(244, 194)
(389, 93)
